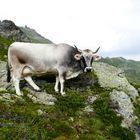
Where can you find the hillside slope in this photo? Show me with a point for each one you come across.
(93, 108)
(34, 36)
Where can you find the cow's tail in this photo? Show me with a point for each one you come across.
(8, 72)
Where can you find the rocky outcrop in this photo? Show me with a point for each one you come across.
(3, 83)
(130, 67)
(122, 105)
(113, 78)
(42, 98)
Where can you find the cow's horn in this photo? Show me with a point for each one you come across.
(77, 49)
(97, 50)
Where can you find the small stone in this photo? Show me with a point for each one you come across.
(42, 98)
(91, 99)
(40, 112)
(8, 97)
(88, 109)
(71, 119)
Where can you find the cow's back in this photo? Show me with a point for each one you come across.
(40, 49)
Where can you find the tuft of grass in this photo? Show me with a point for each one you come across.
(137, 109)
(70, 104)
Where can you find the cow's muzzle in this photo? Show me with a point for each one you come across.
(88, 69)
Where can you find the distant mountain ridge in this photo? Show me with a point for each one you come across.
(9, 30)
(34, 36)
(130, 67)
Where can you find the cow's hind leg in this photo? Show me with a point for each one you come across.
(31, 82)
(62, 81)
(16, 81)
(16, 84)
(56, 87)
(27, 72)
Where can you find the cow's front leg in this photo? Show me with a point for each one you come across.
(56, 87)
(31, 82)
(62, 80)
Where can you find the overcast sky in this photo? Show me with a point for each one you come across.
(112, 24)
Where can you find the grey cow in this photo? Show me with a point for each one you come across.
(27, 59)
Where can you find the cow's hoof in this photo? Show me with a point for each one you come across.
(56, 90)
(38, 90)
(19, 94)
(63, 93)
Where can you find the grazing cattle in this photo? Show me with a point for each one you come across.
(27, 59)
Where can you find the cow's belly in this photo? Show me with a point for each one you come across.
(71, 74)
(39, 69)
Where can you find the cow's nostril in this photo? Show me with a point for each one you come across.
(88, 70)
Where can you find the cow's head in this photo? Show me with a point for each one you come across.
(87, 57)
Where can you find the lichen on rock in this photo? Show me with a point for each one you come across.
(42, 98)
(3, 83)
(113, 78)
(124, 107)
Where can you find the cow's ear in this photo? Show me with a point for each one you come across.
(96, 57)
(77, 56)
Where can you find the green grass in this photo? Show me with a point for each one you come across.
(4, 44)
(136, 85)
(66, 120)
(71, 104)
(137, 109)
(4, 41)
